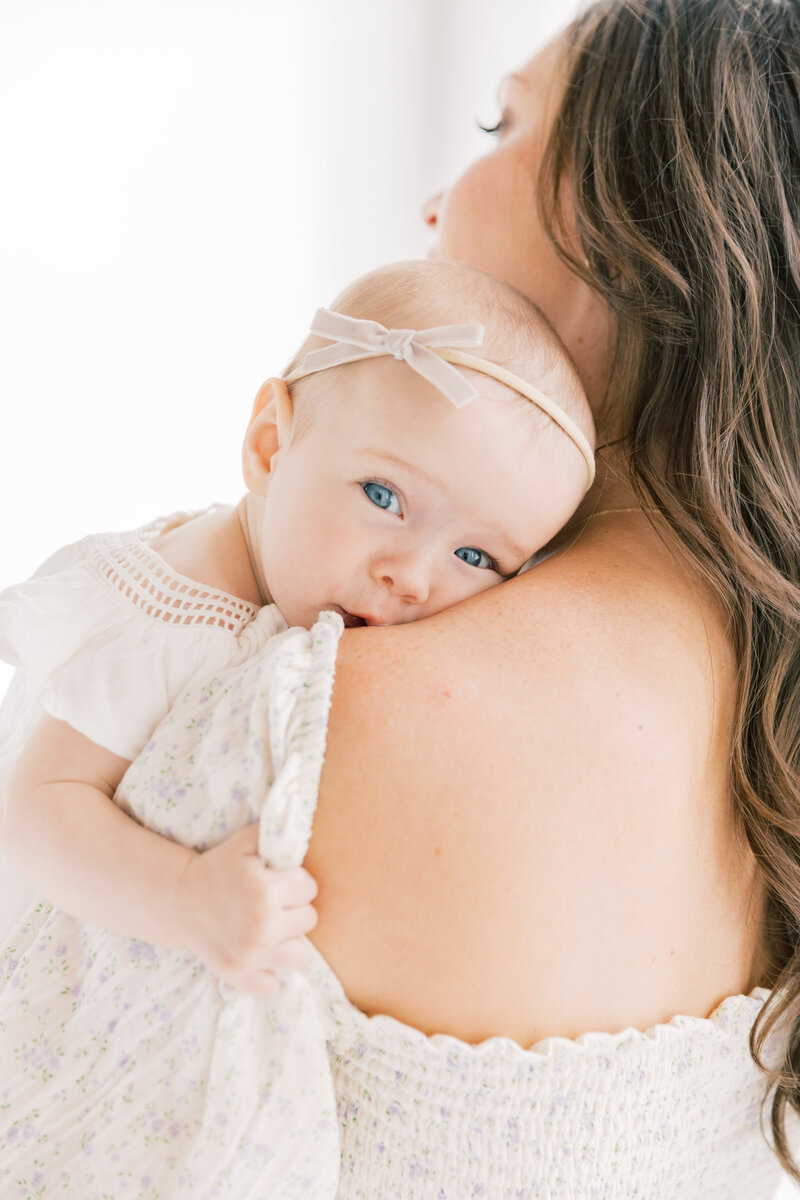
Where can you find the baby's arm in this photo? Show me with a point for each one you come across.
(62, 828)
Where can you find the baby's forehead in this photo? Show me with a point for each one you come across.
(527, 394)
(411, 417)
(387, 397)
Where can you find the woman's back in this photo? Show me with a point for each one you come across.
(488, 867)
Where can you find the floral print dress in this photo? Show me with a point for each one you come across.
(129, 1070)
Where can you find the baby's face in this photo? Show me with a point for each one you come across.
(394, 505)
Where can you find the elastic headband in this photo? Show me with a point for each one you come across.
(429, 352)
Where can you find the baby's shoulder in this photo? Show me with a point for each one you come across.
(171, 574)
(207, 549)
(107, 633)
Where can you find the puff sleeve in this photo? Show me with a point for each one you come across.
(105, 639)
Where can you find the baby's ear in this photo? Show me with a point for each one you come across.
(269, 428)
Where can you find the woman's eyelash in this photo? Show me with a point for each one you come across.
(492, 129)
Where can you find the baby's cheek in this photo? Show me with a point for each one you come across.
(490, 579)
(465, 587)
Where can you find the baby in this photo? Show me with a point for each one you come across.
(391, 473)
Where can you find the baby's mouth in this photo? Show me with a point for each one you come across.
(351, 621)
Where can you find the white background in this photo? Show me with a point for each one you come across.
(184, 183)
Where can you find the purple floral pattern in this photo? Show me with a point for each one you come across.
(128, 1070)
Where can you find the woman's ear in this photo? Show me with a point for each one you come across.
(269, 428)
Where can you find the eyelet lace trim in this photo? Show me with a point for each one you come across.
(147, 581)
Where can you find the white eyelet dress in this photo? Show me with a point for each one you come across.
(127, 1071)
(104, 636)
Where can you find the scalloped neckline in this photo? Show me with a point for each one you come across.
(504, 1047)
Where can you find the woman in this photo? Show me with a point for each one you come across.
(572, 804)
(568, 804)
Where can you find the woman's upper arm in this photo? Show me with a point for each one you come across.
(504, 785)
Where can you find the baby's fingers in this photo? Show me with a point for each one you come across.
(244, 840)
(293, 887)
(295, 922)
(291, 955)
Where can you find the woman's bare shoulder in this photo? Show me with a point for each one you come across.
(515, 797)
(599, 649)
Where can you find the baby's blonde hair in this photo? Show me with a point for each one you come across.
(422, 294)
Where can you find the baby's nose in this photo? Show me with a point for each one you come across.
(406, 577)
(430, 210)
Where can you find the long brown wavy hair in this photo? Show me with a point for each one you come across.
(677, 149)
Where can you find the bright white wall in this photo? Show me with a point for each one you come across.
(185, 181)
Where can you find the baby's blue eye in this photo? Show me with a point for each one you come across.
(382, 496)
(475, 558)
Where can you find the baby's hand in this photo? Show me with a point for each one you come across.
(245, 921)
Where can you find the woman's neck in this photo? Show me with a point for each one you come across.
(612, 487)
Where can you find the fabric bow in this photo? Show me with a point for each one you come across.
(355, 339)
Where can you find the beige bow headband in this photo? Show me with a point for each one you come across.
(429, 352)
